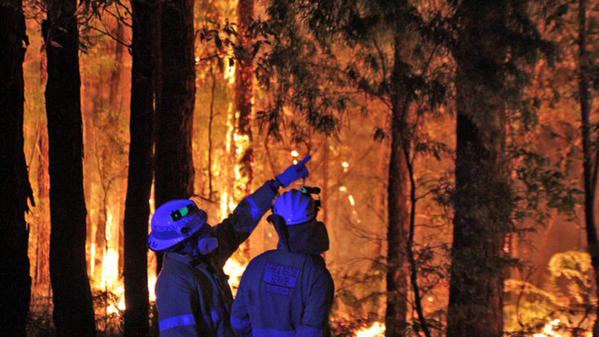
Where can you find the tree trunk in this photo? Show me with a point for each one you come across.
(325, 180)
(16, 190)
(114, 98)
(397, 198)
(176, 98)
(43, 191)
(243, 102)
(73, 310)
(589, 163)
(482, 193)
(139, 184)
(244, 91)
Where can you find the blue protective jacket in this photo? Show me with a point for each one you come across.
(193, 297)
(285, 293)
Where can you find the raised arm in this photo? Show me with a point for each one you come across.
(238, 226)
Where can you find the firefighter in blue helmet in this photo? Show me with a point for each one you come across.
(288, 292)
(192, 294)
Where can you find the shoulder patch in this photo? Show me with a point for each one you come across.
(280, 278)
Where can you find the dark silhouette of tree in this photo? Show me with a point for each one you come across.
(397, 184)
(16, 190)
(494, 45)
(244, 90)
(483, 197)
(139, 183)
(244, 87)
(174, 172)
(590, 155)
(73, 310)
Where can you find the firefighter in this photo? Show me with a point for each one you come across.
(288, 292)
(193, 297)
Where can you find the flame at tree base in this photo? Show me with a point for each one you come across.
(377, 329)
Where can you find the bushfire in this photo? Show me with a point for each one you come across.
(381, 109)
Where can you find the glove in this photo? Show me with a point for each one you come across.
(294, 172)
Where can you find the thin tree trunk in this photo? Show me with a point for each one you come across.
(210, 127)
(397, 200)
(100, 225)
(43, 188)
(397, 286)
(244, 90)
(483, 195)
(115, 76)
(243, 102)
(589, 163)
(73, 310)
(16, 190)
(176, 98)
(139, 184)
(410, 246)
(325, 180)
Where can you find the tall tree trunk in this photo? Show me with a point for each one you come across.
(139, 184)
(482, 196)
(43, 192)
(114, 96)
(325, 179)
(589, 160)
(243, 103)
(176, 98)
(244, 90)
(73, 310)
(15, 292)
(397, 196)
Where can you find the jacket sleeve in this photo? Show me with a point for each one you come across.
(316, 311)
(240, 318)
(179, 310)
(238, 226)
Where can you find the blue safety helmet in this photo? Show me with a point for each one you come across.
(174, 222)
(296, 207)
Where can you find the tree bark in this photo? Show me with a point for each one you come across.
(114, 98)
(243, 102)
(43, 192)
(244, 90)
(397, 196)
(589, 161)
(482, 192)
(73, 310)
(16, 190)
(139, 184)
(176, 98)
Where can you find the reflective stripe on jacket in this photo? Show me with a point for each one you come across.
(283, 294)
(193, 297)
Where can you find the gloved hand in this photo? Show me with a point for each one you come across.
(294, 172)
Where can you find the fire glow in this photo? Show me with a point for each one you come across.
(349, 195)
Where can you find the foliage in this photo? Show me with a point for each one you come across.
(302, 75)
(566, 297)
(542, 185)
(359, 293)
